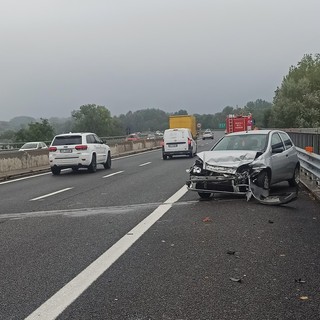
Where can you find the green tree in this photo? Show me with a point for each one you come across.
(8, 135)
(144, 120)
(260, 110)
(93, 118)
(297, 101)
(36, 131)
(181, 112)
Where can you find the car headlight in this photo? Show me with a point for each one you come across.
(196, 169)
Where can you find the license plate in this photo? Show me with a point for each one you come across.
(172, 145)
(66, 150)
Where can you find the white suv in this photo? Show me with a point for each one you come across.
(78, 150)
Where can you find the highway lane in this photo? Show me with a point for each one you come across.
(93, 190)
(45, 244)
(86, 190)
(178, 269)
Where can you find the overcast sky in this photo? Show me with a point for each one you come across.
(198, 55)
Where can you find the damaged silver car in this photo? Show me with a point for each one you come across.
(247, 163)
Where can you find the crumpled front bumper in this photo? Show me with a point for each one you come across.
(242, 184)
(218, 184)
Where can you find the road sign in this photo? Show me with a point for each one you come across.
(222, 125)
(199, 125)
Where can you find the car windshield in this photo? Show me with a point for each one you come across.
(29, 146)
(256, 142)
(67, 140)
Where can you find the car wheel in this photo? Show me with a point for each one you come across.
(107, 164)
(296, 177)
(263, 180)
(204, 195)
(93, 165)
(164, 157)
(55, 171)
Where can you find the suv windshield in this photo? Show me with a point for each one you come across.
(67, 140)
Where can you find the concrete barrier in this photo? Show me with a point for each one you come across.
(26, 162)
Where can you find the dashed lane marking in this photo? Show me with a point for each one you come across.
(51, 194)
(144, 164)
(112, 174)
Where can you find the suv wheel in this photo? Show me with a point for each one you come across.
(107, 164)
(93, 165)
(55, 170)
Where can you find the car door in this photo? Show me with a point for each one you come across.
(101, 149)
(279, 159)
(291, 155)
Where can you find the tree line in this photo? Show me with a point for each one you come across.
(296, 104)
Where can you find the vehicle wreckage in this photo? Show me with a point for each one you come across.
(226, 168)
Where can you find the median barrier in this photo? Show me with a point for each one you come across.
(34, 161)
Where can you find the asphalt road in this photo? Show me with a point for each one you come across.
(131, 243)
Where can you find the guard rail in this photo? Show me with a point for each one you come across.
(310, 166)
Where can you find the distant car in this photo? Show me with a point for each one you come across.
(78, 150)
(33, 146)
(178, 142)
(240, 161)
(133, 137)
(151, 136)
(208, 134)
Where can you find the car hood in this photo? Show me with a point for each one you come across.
(230, 159)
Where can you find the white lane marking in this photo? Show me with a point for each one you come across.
(51, 194)
(144, 164)
(24, 178)
(53, 307)
(136, 154)
(112, 174)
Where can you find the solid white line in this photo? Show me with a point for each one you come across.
(50, 194)
(53, 307)
(112, 174)
(24, 178)
(144, 164)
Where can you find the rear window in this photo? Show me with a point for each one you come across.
(175, 134)
(30, 146)
(66, 140)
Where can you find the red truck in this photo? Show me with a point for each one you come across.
(236, 123)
